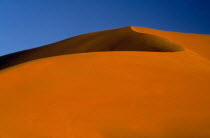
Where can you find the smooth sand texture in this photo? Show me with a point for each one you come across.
(118, 94)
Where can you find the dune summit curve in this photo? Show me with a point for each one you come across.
(122, 39)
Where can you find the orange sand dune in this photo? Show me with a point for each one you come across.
(118, 94)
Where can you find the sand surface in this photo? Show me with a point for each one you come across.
(130, 82)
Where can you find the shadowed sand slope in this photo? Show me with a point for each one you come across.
(123, 39)
(160, 91)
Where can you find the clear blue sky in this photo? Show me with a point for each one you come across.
(26, 24)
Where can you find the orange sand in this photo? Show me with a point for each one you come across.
(118, 94)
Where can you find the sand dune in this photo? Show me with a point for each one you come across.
(123, 39)
(156, 86)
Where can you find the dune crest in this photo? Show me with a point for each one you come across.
(122, 39)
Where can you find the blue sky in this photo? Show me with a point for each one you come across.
(26, 24)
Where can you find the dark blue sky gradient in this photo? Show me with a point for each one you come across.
(26, 24)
